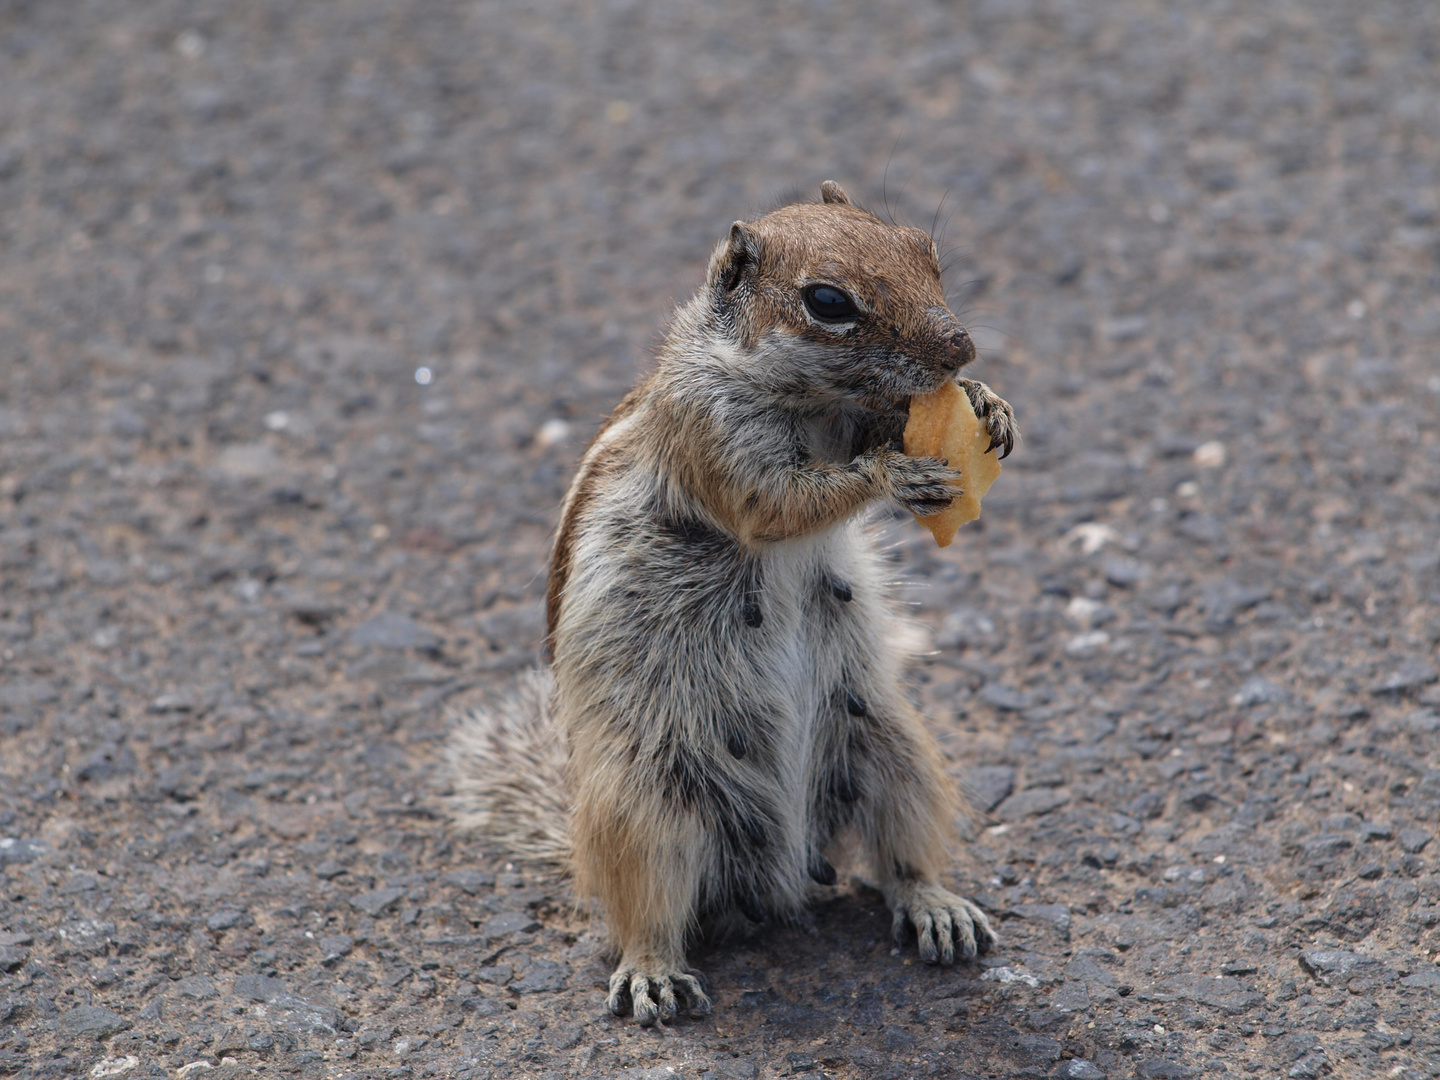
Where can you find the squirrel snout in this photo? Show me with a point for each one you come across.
(960, 348)
(964, 347)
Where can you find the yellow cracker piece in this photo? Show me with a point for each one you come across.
(943, 425)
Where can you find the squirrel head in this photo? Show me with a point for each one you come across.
(825, 298)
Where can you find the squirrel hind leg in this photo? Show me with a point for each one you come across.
(507, 765)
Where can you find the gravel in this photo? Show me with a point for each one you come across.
(306, 312)
(377, 901)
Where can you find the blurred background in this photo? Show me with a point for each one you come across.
(307, 310)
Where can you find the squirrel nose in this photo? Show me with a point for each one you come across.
(955, 336)
(964, 347)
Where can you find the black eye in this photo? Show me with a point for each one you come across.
(829, 304)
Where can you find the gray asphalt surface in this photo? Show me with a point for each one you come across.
(1187, 659)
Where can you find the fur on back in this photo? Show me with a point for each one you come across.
(507, 761)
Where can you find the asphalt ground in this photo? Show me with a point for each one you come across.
(252, 558)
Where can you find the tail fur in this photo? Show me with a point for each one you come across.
(507, 760)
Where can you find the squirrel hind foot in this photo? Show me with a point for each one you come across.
(652, 992)
(941, 921)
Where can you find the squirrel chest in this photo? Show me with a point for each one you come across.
(743, 681)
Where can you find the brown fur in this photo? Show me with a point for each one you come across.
(727, 661)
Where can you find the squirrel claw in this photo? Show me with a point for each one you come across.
(652, 998)
(995, 411)
(941, 920)
(1007, 441)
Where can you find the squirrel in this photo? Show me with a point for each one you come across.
(724, 706)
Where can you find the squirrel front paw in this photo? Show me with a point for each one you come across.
(922, 485)
(995, 411)
(941, 919)
(647, 990)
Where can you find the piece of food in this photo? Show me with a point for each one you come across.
(943, 425)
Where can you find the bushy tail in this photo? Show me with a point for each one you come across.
(507, 760)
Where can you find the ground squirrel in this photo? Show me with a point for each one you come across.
(725, 705)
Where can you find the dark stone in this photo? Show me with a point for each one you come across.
(1072, 997)
(732, 1069)
(1325, 846)
(471, 881)
(1004, 698)
(1295, 1046)
(482, 1006)
(1308, 1067)
(1230, 996)
(290, 1009)
(509, 922)
(1411, 675)
(988, 785)
(1335, 966)
(799, 1021)
(1164, 1069)
(106, 762)
(1258, 691)
(1198, 799)
(868, 1010)
(230, 1040)
(564, 1036)
(1221, 601)
(1031, 802)
(93, 1022)
(1122, 572)
(1414, 841)
(544, 977)
(199, 987)
(1168, 925)
(1231, 893)
(80, 883)
(227, 920)
(20, 850)
(1147, 805)
(1057, 915)
(332, 949)
(1427, 791)
(88, 935)
(259, 987)
(378, 901)
(1036, 1050)
(179, 701)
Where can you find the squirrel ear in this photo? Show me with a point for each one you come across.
(737, 253)
(832, 192)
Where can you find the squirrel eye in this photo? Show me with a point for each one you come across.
(829, 304)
